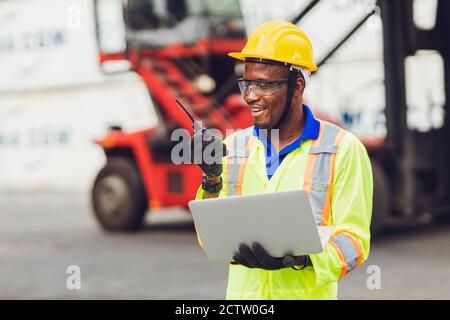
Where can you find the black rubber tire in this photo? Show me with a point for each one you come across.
(127, 208)
(382, 201)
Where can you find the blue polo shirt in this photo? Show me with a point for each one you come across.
(274, 159)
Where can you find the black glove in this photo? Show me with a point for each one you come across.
(257, 257)
(207, 151)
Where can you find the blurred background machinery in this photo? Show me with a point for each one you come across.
(183, 55)
(111, 70)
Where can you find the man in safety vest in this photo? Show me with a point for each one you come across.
(286, 149)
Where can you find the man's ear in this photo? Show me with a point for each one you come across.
(299, 86)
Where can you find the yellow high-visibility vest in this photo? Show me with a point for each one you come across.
(335, 171)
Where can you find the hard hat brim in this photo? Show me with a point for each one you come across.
(238, 55)
(242, 56)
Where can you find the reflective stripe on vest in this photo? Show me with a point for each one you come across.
(318, 183)
(349, 251)
(237, 161)
(319, 172)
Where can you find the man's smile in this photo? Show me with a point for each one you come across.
(257, 110)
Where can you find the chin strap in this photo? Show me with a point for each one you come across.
(293, 73)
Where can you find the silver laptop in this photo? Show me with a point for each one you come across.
(281, 222)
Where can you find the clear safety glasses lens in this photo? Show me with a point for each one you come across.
(259, 87)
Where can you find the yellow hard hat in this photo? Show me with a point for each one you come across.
(280, 41)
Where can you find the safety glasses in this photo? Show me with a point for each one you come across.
(259, 87)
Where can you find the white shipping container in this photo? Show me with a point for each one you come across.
(55, 98)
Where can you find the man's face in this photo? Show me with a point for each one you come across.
(266, 109)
